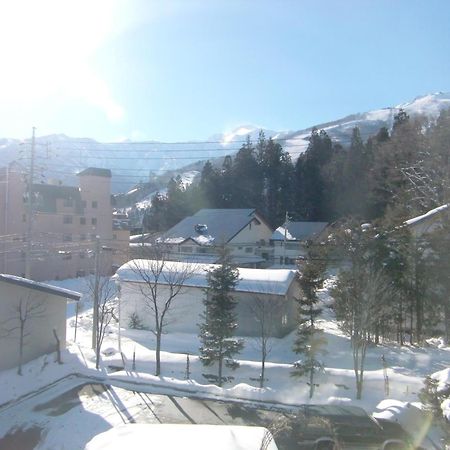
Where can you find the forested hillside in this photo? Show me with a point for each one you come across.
(400, 172)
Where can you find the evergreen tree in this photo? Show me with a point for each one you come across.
(220, 322)
(177, 207)
(312, 201)
(155, 217)
(277, 171)
(247, 178)
(310, 340)
(209, 185)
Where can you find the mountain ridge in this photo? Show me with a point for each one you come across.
(60, 156)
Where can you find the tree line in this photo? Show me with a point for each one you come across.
(403, 169)
(392, 285)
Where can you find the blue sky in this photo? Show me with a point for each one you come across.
(179, 70)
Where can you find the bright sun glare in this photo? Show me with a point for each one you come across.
(48, 47)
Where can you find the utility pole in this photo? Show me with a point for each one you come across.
(96, 293)
(30, 210)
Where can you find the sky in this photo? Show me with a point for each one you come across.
(178, 70)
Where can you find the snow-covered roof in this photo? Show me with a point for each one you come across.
(209, 226)
(181, 436)
(264, 281)
(298, 231)
(43, 287)
(428, 215)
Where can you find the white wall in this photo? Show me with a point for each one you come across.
(184, 315)
(252, 233)
(39, 330)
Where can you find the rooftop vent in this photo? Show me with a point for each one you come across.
(201, 228)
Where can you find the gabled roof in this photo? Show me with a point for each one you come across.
(298, 231)
(38, 286)
(96, 171)
(263, 281)
(211, 226)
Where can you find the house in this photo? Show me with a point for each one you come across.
(42, 308)
(428, 222)
(197, 238)
(65, 221)
(288, 241)
(275, 289)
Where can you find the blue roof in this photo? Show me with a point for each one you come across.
(298, 231)
(209, 226)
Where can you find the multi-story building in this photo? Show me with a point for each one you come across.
(66, 221)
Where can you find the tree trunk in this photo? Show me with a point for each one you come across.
(359, 386)
(58, 348)
(263, 370)
(419, 318)
(411, 324)
(311, 382)
(158, 354)
(447, 321)
(21, 343)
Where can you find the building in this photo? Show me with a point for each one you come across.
(198, 238)
(65, 223)
(276, 289)
(288, 241)
(42, 309)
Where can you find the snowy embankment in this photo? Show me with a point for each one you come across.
(134, 365)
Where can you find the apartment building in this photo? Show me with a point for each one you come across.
(66, 221)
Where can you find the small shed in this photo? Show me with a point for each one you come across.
(258, 291)
(39, 310)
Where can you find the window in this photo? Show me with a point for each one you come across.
(67, 238)
(94, 204)
(248, 249)
(185, 249)
(82, 220)
(94, 221)
(82, 237)
(67, 219)
(83, 204)
(68, 202)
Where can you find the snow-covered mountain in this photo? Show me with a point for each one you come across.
(369, 122)
(61, 157)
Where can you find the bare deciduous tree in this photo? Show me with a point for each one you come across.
(105, 292)
(265, 312)
(360, 294)
(163, 281)
(17, 326)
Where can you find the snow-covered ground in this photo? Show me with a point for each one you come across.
(407, 366)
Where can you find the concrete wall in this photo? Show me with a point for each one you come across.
(39, 338)
(185, 313)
